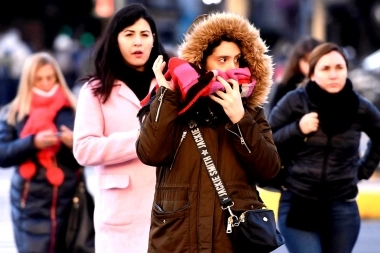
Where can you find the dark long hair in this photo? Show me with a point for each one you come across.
(302, 47)
(108, 57)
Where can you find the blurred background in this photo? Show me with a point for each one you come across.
(69, 28)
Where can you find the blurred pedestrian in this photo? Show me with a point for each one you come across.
(13, 52)
(106, 129)
(36, 137)
(296, 68)
(220, 81)
(322, 123)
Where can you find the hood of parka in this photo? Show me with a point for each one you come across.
(253, 48)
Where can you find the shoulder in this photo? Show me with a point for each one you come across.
(365, 105)
(91, 84)
(293, 96)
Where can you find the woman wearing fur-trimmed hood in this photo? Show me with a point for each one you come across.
(220, 80)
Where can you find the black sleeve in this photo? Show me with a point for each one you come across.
(14, 150)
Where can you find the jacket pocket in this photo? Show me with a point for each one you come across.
(114, 207)
(171, 199)
(170, 230)
(170, 220)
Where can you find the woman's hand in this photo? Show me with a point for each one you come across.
(309, 123)
(66, 136)
(45, 139)
(230, 100)
(158, 67)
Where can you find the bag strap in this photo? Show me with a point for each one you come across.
(217, 182)
(213, 173)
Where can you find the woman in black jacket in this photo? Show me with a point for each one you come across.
(36, 138)
(318, 210)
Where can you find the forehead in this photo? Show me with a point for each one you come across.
(44, 69)
(140, 25)
(332, 58)
(227, 48)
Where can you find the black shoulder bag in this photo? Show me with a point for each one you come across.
(80, 234)
(250, 230)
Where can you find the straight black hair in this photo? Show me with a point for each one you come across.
(108, 57)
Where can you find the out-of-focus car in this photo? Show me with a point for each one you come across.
(366, 81)
(366, 78)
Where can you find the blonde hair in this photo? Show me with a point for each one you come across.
(19, 107)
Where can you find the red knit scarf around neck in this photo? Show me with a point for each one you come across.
(193, 83)
(43, 111)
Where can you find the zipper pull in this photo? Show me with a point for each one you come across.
(160, 97)
(229, 225)
(24, 194)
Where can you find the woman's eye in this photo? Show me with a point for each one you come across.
(222, 60)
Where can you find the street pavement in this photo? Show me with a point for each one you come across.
(368, 242)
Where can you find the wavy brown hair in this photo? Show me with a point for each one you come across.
(322, 50)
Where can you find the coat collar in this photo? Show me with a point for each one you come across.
(128, 94)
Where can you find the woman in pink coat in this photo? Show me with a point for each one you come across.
(106, 129)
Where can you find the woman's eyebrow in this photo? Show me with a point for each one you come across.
(225, 56)
(130, 30)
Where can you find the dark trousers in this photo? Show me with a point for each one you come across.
(337, 234)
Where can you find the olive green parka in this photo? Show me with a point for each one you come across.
(187, 215)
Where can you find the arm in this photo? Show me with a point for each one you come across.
(13, 150)
(371, 158)
(159, 134)
(284, 120)
(91, 147)
(259, 154)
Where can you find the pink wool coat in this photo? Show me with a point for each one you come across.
(104, 137)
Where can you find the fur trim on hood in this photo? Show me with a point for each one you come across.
(253, 48)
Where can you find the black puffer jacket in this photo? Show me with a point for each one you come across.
(325, 166)
(33, 222)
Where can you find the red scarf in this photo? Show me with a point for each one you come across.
(193, 84)
(43, 111)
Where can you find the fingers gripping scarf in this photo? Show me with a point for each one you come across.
(193, 82)
(41, 117)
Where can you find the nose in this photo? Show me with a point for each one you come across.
(333, 74)
(137, 41)
(45, 82)
(231, 64)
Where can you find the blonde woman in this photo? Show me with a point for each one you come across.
(36, 138)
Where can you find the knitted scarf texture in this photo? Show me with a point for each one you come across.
(336, 111)
(193, 82)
